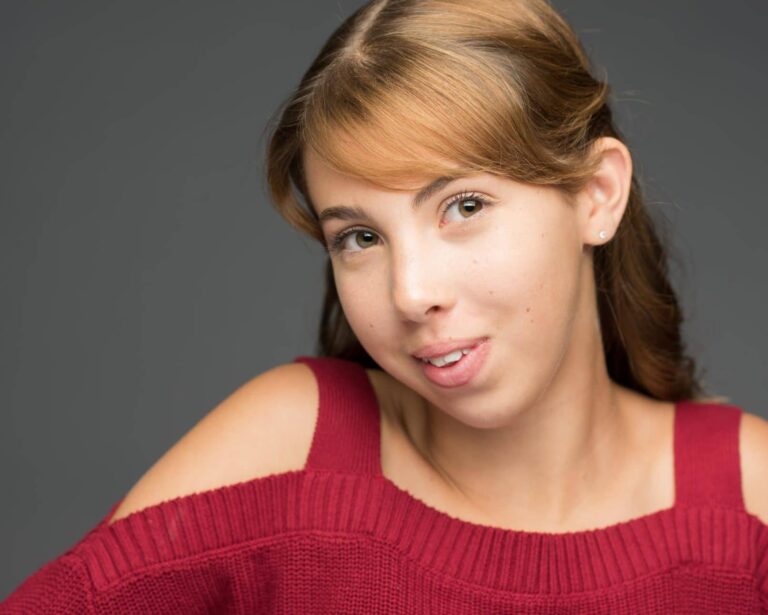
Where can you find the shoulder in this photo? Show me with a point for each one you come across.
(753, 446)
(264, 427)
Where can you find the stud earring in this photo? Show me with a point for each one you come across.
(602, 234)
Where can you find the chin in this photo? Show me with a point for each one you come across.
(486, 414)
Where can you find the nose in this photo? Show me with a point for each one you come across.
(420, 283)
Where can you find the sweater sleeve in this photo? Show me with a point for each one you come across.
(60, 587)
(762, 568)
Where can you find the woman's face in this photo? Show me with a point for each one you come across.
(481, 257)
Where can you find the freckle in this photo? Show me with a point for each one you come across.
(527, 309)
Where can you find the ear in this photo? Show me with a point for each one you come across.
(604, 198)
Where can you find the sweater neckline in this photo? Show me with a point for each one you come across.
(379, 517)
(436, 514)
(525, 560)
(537, 561)
(419, 506)
(341, 496)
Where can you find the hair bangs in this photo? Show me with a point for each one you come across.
(415, 122)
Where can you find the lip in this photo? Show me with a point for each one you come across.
(440, 349)
(461, 373)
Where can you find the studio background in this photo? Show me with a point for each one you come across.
(145, 275)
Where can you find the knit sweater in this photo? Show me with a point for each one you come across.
(339, 537)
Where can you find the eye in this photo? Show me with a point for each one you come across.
(362, 239)
(476, 204)
(471, 205)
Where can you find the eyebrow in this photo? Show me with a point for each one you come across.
(353, 212)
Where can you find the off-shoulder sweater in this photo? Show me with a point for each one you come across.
(339, 537)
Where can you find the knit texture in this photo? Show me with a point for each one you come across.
(338, 537)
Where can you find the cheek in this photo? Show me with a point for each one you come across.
(530, 278)
(363, 305)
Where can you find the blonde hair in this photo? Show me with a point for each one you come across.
(405, 90)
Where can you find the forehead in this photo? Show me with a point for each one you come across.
(342, 196)
(323, 181)
(319, 172)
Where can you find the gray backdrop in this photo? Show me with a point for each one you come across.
(145, 275)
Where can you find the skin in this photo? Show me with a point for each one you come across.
(541, 438)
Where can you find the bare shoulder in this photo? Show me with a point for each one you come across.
(753, 445)
(264, 427)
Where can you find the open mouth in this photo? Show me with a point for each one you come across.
(457, 368)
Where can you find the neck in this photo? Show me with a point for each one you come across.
(554, 458)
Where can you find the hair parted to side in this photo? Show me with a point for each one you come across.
(408, 90)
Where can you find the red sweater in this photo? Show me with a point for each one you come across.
(339, 537)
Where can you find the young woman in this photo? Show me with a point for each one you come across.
(501, 416)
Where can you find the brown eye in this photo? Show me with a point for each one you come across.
(369, 237)
(468, 205)
(474, 205)
(338, 243)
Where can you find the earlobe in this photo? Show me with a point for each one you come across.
(607, 191)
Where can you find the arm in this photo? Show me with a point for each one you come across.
(754, 467)
(264, 427)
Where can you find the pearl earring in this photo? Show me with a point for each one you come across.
(602, 234)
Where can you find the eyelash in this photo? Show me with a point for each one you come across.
(338, 239)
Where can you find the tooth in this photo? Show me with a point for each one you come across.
(441, 361)
(451, 357)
